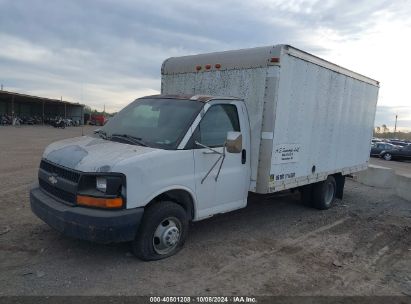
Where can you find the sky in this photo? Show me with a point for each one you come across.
(108, 53)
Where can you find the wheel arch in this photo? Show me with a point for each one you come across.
(181, 196)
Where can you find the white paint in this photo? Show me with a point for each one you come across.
(267, 135)
(327, 109)
(245, 83)
(328, 113)
(151, 172)
(226, 190)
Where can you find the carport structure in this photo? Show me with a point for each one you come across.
(20, 105)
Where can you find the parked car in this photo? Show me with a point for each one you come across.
(403, 153)
(378, 147)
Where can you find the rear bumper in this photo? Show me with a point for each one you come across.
(101, 226)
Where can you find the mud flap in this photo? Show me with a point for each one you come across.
(306, 194)
(340, 181)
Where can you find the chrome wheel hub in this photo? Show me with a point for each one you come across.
(171, 236)
(167, 236)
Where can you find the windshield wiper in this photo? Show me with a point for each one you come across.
(101, 133)
(130, 138)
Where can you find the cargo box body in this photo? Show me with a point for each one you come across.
(309, 118)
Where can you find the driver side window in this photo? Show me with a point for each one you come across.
(213, 128)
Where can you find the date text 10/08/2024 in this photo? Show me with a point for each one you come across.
(199, 299)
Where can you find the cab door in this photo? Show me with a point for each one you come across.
(221, 178)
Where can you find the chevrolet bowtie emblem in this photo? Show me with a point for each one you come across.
(52, 180)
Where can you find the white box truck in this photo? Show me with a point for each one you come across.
(262, 120)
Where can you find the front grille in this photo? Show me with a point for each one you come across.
(59, 193)
(61, 172)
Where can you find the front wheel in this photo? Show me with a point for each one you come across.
(387, 156)
(162, 232)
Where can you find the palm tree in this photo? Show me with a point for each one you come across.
(385, 129)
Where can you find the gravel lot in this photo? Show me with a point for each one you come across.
(275, 246)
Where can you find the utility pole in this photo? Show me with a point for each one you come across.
(395, 126)
(65, 107)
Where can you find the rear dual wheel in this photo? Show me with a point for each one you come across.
(320, 195)
(324, 193)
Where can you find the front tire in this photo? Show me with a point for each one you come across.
(324, 193)
(162, 232)
(387, 156)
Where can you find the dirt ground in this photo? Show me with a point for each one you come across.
(275, 246)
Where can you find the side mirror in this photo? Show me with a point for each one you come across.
(234, 142)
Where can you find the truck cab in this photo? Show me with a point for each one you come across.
(159, 163)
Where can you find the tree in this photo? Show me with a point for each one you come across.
(385, 129)
(377, 129)
(87, 109)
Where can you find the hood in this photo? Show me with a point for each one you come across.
(89, 154)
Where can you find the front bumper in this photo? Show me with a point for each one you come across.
(101, 226)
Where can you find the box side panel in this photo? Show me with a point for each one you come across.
(247, 84)
(324, 121)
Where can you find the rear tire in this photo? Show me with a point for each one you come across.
(387, 156)
(162, 232)
(324, 193)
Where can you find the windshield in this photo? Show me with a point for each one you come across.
(153, 122)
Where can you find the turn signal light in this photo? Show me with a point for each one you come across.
(99, 202)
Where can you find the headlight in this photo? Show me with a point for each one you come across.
(101, 183)
(103, 191)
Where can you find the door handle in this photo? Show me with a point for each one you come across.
(243, 156)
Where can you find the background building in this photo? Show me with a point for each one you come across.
(22, 105)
